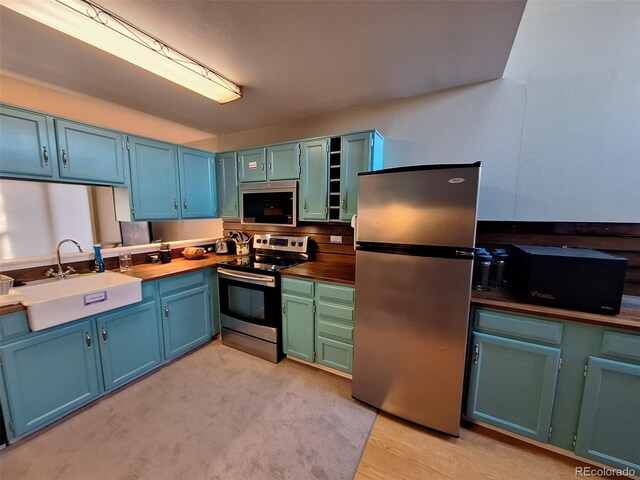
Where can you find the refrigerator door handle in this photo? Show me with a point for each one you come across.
(354, 225)
(464, 253)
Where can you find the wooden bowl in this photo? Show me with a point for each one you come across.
(193, 253)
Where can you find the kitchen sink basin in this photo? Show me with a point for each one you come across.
(60, 301)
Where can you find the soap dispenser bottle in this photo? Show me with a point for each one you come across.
(98, 262)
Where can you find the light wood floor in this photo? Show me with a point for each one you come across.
(403, 451)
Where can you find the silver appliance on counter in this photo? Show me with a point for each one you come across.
(250, 299)
(414, 256)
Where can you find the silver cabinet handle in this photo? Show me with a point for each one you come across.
(87, 339)
(271, 166)
(262, 166)
(65, 159)
(476, 353)
(175, 205)
(184, 204)
(304, 204)
(45, 156)
(235, 204)
(104, 335)
(284, 309)
(344, 204)
(166, 312)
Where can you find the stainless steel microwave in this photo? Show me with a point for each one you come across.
(269, 203)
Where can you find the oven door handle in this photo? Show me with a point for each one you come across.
(248, 277)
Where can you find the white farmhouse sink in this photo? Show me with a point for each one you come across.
(60, 301)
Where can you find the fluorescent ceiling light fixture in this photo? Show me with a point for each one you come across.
(96, 26)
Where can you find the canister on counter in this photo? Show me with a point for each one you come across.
(165, 252)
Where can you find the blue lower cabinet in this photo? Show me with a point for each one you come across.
(512, 385)
(186, 320)
(298, 335)
(129, 343)
(609, 428)
(51, 374)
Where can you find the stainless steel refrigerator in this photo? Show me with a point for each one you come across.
(414, 256)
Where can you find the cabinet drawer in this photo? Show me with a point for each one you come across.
(518, 326)
(333, 354)
(335, 312)
(621, 344)
(13, 325)
(339, 293)
(181, 282)
(344, 333)
(297, 287)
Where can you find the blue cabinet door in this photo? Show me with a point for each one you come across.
(155, 184)
(51, 374)
(27, 147)
(283, 162)
(90, 154)
(186, 319)
(355, 157)
(227, 182)
(129, 342)
(609, 427)
(312, 197)
(298, 335)
(197, 183)
(512, 384)
(252, 165)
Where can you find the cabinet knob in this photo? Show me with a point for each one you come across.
(343, 203)
(104, 335)
(65, 159)
(304, 204)
(175, 205)
(476, 353)
(166, 312)
(184, 204)
(45, 156)
(284, 309)
(87, 339)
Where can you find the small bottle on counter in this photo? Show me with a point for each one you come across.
(499, 268)
(98, 262)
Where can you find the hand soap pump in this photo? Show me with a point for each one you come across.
(98, 262)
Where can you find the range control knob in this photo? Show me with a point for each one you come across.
(264, 240)
(299, 244)
(293, 244)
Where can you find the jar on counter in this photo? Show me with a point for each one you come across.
(482, 269)
(498, 276)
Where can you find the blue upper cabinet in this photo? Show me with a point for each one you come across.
(283, 162)
(228, 187)
(197, 183)
(90, 155)
(355, 158)
(252, 165)
(313, 192)
(155, 186)
(609, 428)
(512, 385)
(27, 144)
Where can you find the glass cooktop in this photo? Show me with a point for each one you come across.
(262, 262)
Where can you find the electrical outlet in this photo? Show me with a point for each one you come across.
(336, 239)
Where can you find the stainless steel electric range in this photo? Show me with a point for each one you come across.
(250, 299)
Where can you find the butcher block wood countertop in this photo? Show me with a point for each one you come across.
(324, 271)
(156, 271)
(628, 318)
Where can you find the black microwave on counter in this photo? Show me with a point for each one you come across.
(573, 278)
(269, 203)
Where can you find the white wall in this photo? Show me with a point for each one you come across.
(559, 136)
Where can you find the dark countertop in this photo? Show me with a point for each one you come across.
(628, 318)
(324, 271)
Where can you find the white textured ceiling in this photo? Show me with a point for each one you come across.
(294, 59)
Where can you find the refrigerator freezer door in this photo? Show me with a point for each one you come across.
(419, 207)
(411, 324)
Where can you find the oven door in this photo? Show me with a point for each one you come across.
(250, 303)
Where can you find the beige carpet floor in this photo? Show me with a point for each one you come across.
(215, 414)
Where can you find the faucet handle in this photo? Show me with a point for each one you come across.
(69, 270)
(50, 273)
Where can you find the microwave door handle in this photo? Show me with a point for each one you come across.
(248, 277)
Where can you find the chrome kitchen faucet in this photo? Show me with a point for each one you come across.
(62, 274)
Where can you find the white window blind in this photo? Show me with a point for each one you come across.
(35, 216)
